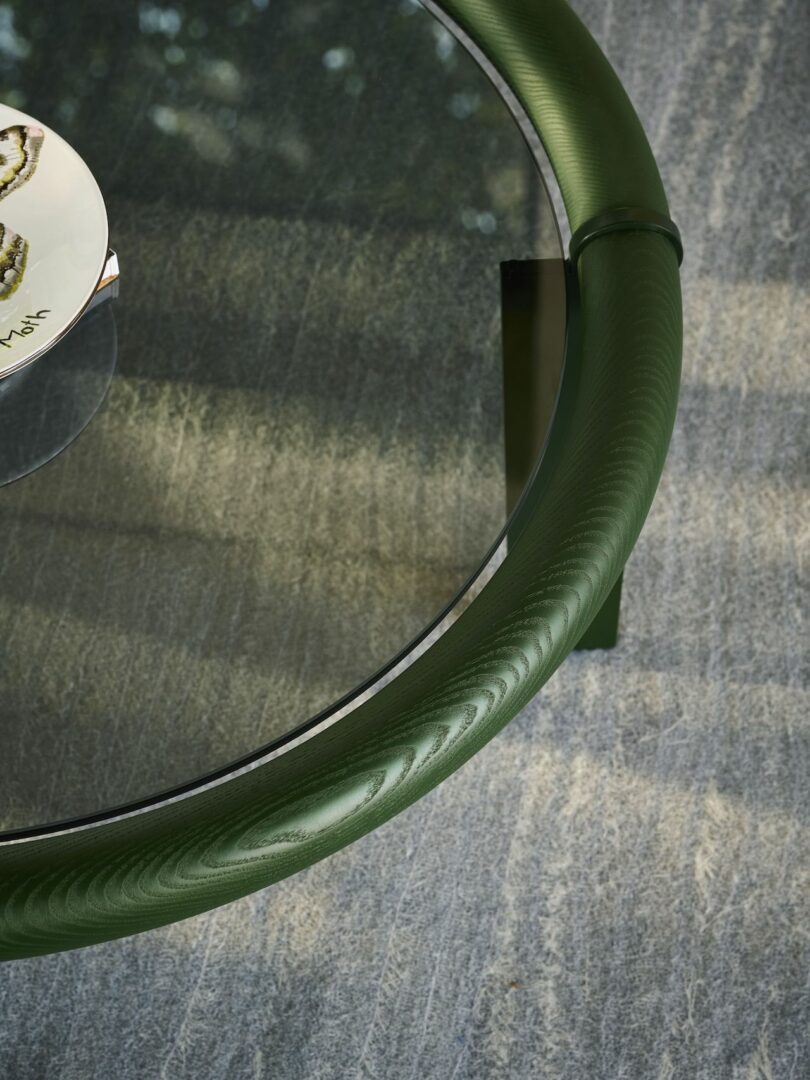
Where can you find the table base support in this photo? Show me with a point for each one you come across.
(533, 307)
(604, 630)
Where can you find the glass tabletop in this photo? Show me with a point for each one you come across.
(299, 460)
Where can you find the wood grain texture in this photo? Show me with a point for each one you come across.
(591, 133)
(176, 860)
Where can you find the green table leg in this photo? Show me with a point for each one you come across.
(604, 630)
(533, 312)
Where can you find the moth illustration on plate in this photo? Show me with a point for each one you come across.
(20, 147)
(13, 257)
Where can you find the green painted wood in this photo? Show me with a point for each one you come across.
(603, 633)
(589, 503)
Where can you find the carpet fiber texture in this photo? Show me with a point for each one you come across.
(619, 885)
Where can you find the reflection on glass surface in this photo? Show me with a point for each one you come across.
(44, 407)
(300, 459)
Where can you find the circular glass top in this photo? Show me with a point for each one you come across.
(300, 461)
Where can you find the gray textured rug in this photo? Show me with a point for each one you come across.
(619, 885)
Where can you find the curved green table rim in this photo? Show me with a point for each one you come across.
(586, 508)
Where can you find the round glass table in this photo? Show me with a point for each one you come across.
(300, 461)
(298, 522)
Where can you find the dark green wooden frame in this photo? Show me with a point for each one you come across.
(586, 507)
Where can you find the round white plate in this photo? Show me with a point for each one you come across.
(53, 238)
